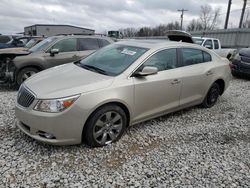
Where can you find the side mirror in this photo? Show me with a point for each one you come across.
(208, 46)
(54, 51)
(146, 71)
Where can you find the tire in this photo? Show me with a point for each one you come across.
(212, 96)
(24, 74)
(106, 125)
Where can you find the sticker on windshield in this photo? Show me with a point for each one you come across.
(128, 52)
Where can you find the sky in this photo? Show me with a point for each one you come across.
(104, 15)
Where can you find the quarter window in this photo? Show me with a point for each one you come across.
(66, 45)
(163, 60)
(88, 44)
(206, 57)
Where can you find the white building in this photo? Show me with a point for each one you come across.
(50, 30)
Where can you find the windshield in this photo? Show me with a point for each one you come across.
(198, 41)
(30, 43)
(42, 45)
(113, 59)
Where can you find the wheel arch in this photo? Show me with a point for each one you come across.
(123, 106)
(28, 66)
(221, 84)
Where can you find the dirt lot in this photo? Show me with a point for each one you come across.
(193, 148)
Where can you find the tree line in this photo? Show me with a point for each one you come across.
(209, 19)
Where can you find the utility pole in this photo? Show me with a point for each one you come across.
(242, 13)
(182, 13)
(228, 12)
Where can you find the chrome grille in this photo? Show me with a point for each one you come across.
(25, 98)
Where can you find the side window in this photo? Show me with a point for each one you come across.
(206, 57)
(66, 45)
(191, 56)
(208, 44)
(163, 60)
(88, 44)
(216, 44)
(103, 42)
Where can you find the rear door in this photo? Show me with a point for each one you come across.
(156, 94)
(67, 52)
(197, 75)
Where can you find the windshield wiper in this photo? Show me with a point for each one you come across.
(93, 68)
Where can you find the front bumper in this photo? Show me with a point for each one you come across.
(66, 127)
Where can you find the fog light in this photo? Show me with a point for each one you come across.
(46, 135)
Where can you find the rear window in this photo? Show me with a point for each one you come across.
(4, 39)
(216, 44)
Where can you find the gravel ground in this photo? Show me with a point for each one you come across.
(192, 148)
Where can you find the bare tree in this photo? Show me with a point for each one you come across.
(129, 32)
(194, 25)
(246, 23)
(209, 18)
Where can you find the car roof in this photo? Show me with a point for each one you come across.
(150, 44)
(82, 36)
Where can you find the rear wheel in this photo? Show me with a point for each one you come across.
(212, 96)
(25, 74)
(106, 125)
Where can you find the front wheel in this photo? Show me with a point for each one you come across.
(212, 96)
(106, 125)
(25, 74)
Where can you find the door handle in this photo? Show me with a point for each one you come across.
(209, 73)
(175, 81)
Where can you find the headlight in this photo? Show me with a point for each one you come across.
(55, 105)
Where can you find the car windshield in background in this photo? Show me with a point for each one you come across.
(198, 41)
(4, 39)
(30, 43)
(41, 45)
(113, 59)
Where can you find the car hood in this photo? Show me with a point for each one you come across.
(20, 50)
(66, 80)
(245, 52)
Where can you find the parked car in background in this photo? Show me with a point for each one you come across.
(15, 41)
(51, 52)
(8, 54)
(95, 99)
(215, 45)
(240, 63)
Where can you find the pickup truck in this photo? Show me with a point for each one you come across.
(215, 45)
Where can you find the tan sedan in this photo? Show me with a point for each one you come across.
(95, 99)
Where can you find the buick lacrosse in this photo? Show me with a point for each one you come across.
(95, 99)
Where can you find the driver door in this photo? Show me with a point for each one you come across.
(67, 52)
(159, 93)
